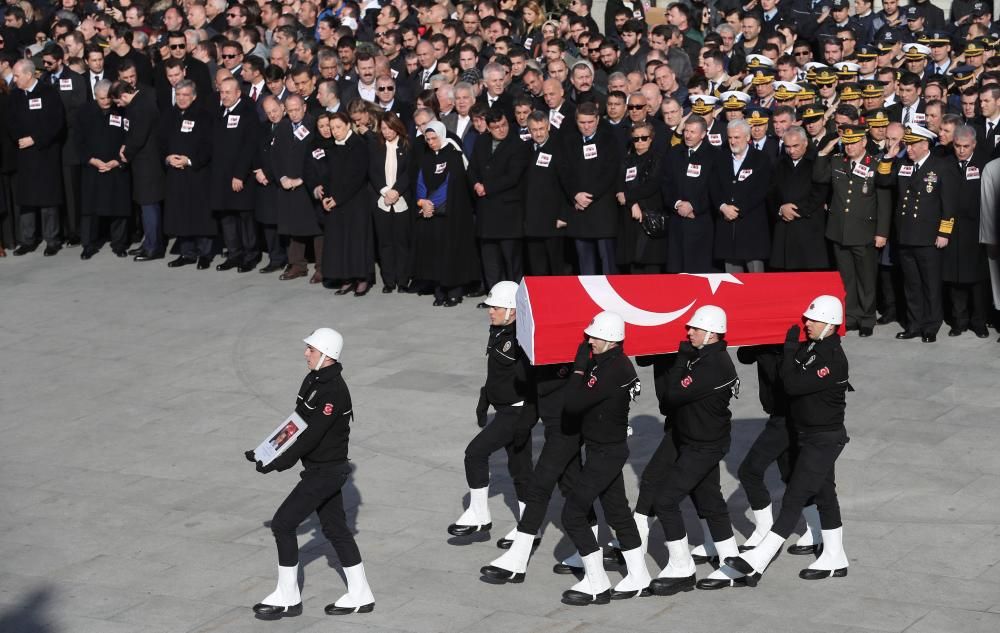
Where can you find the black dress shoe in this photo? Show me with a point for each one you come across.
(751, 575)
(229, 264)
(467, 530)
(271, 612)
(147, 257)
(805, 550)
(72, 240)
(628, 595)
(851, 326)
(423, 292)
(247, 267)
(885, 319)
(24, 249)
(709, 584)
(701, 560)
(613, 556)
(87, 253)
(51, 250)
(481, 305)
(505, 543)
(204, 263)
(387, 290)
(362, 289)
(983, 333)
(904, 335)
(180, 261)
(581, 599)
(819, 574)
(451, 302)
(499, 576)
(670, 586)
(136, 251)
(565, 570)
(928, 338)
(119, 252)
(439, 302)
(476, 292)
(343, 290)
(271, 268)
(333, 609)
(865, 332)
(955, 331)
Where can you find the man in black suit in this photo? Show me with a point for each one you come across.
(798, 241)
(385, 91)
(120, 49)
(72, 88)
(195, 70)
(494, 96)
(495, 171)
(987, 125)
(546, 201)
(687, 182)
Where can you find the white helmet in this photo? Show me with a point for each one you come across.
(825, 309)
(328, 342)
(607, 326)
(502, 295)
(710, 319)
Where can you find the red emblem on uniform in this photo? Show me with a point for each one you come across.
(686, 381)
(592, 382)
(328, 409)
(823, 372)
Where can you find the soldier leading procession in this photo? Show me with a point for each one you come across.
(455, 147)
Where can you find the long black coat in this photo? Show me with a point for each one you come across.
(102, 133)
(639, 180)
(73, 90)
(546, 184)
(594, 167)
(690, 179)
(40, 115)
(265, 209)
(186, 209)
(801, 243)
(142, 148)
(405, 174)
(234, 141)
(500, 213)
(349, 244)
(289, 153)
(444, 246)
(748, 236)
(964, 259)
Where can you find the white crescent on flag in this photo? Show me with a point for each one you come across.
(607, 298)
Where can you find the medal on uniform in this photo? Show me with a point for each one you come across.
(931, 179)
(864, 188)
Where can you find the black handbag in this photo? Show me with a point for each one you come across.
(654, 224)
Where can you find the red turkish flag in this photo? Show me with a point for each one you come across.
(552, 312)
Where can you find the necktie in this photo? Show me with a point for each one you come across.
(853, 165)
(253, 93)
(225, 114)
(586, 139)
(690, 152)
(906, 116)
(962, 164)
(54, 79)
(96, 79)
(989, 131)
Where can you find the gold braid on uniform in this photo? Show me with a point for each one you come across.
(885, 167)
(946, 226)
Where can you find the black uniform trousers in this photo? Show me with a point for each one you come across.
(277, 245)
(502, 261)
(889, 292)
(239, 234)
(812, 480)
(319, 489)
(695, 473)
(50, 225)
(559, 463)
(503, 432)
(193, 247)
(858, 267)
(601, 478)
(770, 446)
(968, 305)
(546, 255)
(392, 230)
(655, 474)
(921, 267)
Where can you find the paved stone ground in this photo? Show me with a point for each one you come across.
(129, 392)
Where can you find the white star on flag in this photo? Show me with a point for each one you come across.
(716, 279)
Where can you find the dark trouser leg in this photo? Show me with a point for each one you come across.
(276, 245)
(601, 469)
(812, 478)
(496, 435)
(846, 266)
(310, 493)
(188, 247)
(334, 521)
(513, 256)
(385, 230)
(151, 218)
(866, 274)
(655, 473)
(929, 264)
(606, 251)
(119, 233)
(29, 226)
(911, 288)
(89, 231)
(682, 477)
(538, 259)
(297, 253)
(50, 226)
(977, 298)
(318, 249)
(959, 294)
(619, 516)
(204, 246)
(492, 262)
(248, 233)
(558, 453)
(232, 236)
(519, 450)
(767, 448)
(887, 291)
(71, 217)
(711, 505)
(586, 255)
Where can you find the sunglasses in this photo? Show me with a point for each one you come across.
(228, 56)
(385, 88)
(175, 47)
(637, 106)
(801, 53)
(380, 33)
(640, 139)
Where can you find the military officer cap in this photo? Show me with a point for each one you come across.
(963, 74)
(846, 71)
(763, 76)
(786, 90)
(916, 133)
(839, 4)
(979, 9)
(808, 91)
(849, 92)
(915, 51)
(850, 134)
(811, 112)
(866, 52)
(871, 88)
(734, 100)
(886, 41)
(877, 118)
(825, 76)
(755, 60)
(912, 12)
(702, 104)
(935, 38)
(975, 48)
(758, 116)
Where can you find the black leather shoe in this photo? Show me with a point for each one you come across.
(466, 530)
(928, 338)
(386, 290)
(904, 335)
(87, 253)
(147, 257)
(628, 595)
(820, 574)
(477, 292)
(24, 249)
(51, 250)
(136, 251)
(423, 292)
(710, 584)
(271, 268)
(439, 302)
(865, 332)
(851, 326)
(613, 556)
(580, 599)
(505, 543)
(362, 289)
(500, 576)
(247, 267)
(701, 560)
(229, 264)
(343, 290)
(983, 333)
(565, 570)
(119, 252)
(670, 586)
(271, 612)
(333, 609)
(180, 261)
(204, 263)
(805, 550)
(72, 240)
(885, 319)
(751, 577)
(955, 331)
(481, 305)
(452, 302)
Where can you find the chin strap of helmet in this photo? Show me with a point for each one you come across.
(319, 363)
(506, 317)
(825, 332)
(704, 339)
(604, 346)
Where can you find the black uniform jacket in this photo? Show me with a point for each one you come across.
(699, 387)
(815, 378)
(324, 403)
(507, 368)
(601, 397)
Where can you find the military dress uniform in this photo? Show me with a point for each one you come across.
(859, 211)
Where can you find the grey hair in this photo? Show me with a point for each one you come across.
(799, 131)
(739, 124)
(965, 131)
(103, 85)
(187, 83)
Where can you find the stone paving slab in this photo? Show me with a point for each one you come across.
(129, 392)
